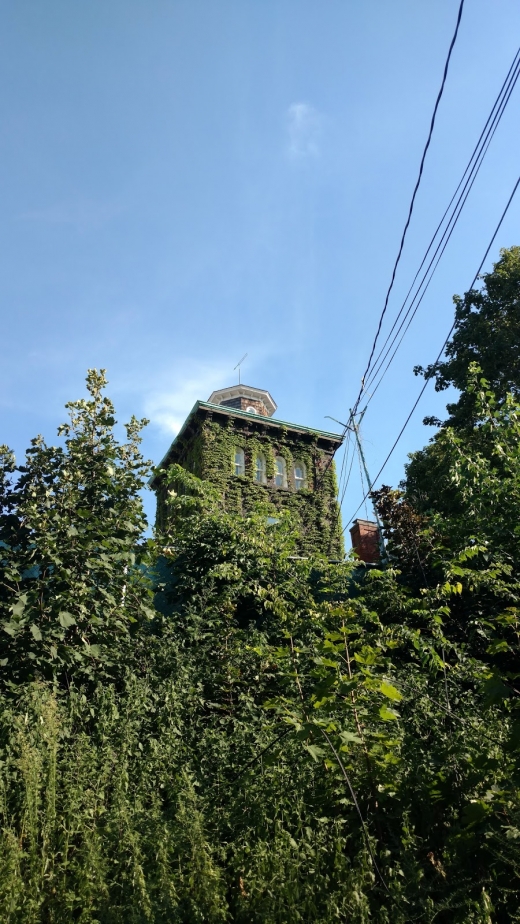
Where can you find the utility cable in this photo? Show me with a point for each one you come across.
(441, 351)
(471, 172)
(412, 202)
(411, 314)
(347, 479)
(362, 482)
(344, 463)
(356, 804)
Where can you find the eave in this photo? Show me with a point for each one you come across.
(267, 422)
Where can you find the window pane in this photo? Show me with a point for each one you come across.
(299, 477)
(239, 462)
(260, 469)
(279, 476)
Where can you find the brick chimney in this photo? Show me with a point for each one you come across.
(365, 539)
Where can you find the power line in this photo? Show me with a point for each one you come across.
(470, 174)
(348, 477)
(344, 464)
(471, 171)
(412, 202)
(414, 312)
(441, 351)
(410, 211)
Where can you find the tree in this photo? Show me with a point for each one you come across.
(71, 526)
(288, 739)
(487, 332)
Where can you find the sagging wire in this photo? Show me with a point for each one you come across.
(443, 347)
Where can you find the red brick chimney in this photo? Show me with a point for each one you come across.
(365, 539)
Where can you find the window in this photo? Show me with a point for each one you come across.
(280, 473)
(251, 410)
(299, 476)
(240, 466)
(260, 470)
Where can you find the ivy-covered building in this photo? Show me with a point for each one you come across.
(233, 441)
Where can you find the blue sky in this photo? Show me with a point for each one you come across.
(184, 182)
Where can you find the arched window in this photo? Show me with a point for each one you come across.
(251, 410)
(299, 476)
(260, 476)
(280, 472)
(240, 465)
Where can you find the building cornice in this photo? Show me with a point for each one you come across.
(262, 423)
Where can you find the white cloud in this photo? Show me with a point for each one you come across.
(303, 130)
(167, 407)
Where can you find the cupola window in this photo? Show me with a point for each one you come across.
(240, 465)
(260, 474)
(280, 472)
(299, 476)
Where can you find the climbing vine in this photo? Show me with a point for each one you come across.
(210, 454)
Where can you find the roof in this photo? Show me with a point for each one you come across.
(236, 412)
(244, 391)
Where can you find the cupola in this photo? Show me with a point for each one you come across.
(245, 398)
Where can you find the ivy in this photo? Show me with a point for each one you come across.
(209, 454)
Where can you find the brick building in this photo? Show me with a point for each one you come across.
(233, 441)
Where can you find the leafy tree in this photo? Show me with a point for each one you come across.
(71, 523)
(391, 707)
(487, 332)
(289, 739)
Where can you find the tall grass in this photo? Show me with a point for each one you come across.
(116, 811)
(104, 820)
(96, 824)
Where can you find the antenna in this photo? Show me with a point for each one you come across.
(238, 366)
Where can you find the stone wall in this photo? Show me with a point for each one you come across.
(243, 404)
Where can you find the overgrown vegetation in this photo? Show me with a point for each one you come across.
(278, 739)
(207, 449)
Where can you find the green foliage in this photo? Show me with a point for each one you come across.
(487, 332)
(71, 580)
(288, 739)
(209, 454)
(100, 822)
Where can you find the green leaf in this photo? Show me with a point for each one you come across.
(349, 737)
(326, 662)
(387, 689)
(475, 811)
(19, 607)
(388, 715)
(315, 751)
(36, 634)
(494, 691)
(66, 619)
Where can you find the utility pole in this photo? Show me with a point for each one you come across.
(355, 429)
